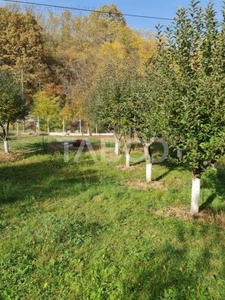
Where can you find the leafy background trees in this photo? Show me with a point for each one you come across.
(68, 51)
(21, 48)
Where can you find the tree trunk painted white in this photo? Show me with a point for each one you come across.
(148, 159)
(149, 172)
(127, 158)
(195, 195)
(38, 125)
(88, 130)
(6, 146)
(80, 126)
(117, 147)
(127, 147)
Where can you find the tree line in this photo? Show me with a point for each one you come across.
(60, 55)
(169, 84)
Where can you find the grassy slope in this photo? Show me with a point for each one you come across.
(95, 230)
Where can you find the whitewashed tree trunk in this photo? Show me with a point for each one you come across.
(127, 146)
(148, 160)
(6, 146)
(80, 126)
(88, 129)
(195, 195)
(148, 172)
(127, 159)
(117, 147)
(38, 125)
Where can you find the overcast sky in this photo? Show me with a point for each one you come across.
(152, 8)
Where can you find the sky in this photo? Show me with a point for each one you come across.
(155, 9)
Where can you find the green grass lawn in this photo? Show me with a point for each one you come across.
(93, 229)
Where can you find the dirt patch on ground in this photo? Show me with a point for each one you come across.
(124, 168)
(157, 185)
(207, 216)
(9, 157)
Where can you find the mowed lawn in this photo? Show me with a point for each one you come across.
(86, 227)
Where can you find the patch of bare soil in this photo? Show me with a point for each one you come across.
(207, 216)
(10, 157)
(124, 168)
(157, 185)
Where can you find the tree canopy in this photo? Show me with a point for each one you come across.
(12, 104)
(21, 46)
(193, 65)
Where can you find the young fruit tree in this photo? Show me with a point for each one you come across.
(111, 104)
(12, 104)
(193, 59)
(150, 113)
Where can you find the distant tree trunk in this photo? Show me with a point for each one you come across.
(88, 129)
(63, 125)
(38, 125)
(5, 130)
(195, 192)
(48, 126)
(127, 152)
(148, 159)
(80, 126)
(117, 144)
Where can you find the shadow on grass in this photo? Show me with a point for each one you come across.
(171, 166)
(175, 269)
(51, 147)
(138, 162)
(214, 179)
(50, 177)
(163, 175)
(208, 201)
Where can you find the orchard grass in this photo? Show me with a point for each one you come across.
(93, 229)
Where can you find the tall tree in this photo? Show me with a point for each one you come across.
(111, 102)
(108, 19)
(21, 47)
(12, 104)
(196, 109)
(150, 111)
